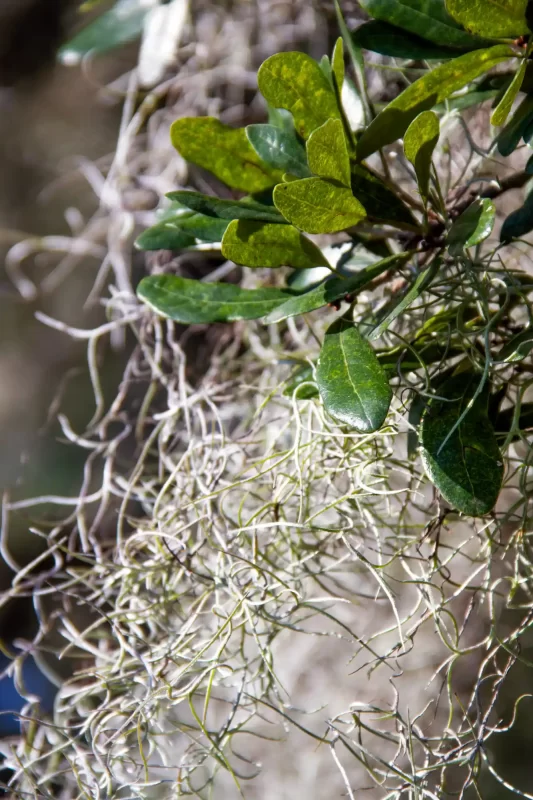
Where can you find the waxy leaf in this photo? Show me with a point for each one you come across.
(337, 66)
(226, 209)
(519, 223)
(294, 81)
(468, 469)
(224, 151)
(335, 289)
(380, 37)
(426, 18)
(192, 302)
(278, 148)
(262, 244)
(473, 226)
(503, 108)
(327, 152)
(318, 206)
(181, 231)
(304, 374)
(517, 348)
(380, 202)
(498, 19)
(429, 90)
(351, 381)
(422, 282)
(419, 143)
(509, 138)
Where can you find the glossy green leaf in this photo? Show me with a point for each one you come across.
(262, 244)
(388, 40)
(325, 66)
(304, 374)
(318, 206)
(473, 226)
(468, 469)
(498, 19)
(509, 137)
(502, 110)
(425, 18)
(517, 348)
(351, 381)
(337, 65)
(226, 209)
(294, 81)
(382, 205)
(192, 302)
(278, 148)
(519, 223)
(327, 152)
(181, 231)
(335, 289)
(421, 284)
(120, 24)
(224, 151)
(429, 90)
(420, 140)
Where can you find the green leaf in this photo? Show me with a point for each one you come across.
(472, 227)
(318, 206)
(122, 23)
(337, 65)
(351, 381)
(429, 90)
(192, 302)
(224, 151)
(509, 137)
(279, 148)
(176, 233)
(419, 143)
(327, 152)
(304, 374)
(517, 348)
(226, 209)
(422, 282)
(519, 223)
(380, 202)
(498, 19)
(335, 289)
(380, 37)
(294, 81)
(503, 108)
(468, 469)
(261, 244)
(425, 18)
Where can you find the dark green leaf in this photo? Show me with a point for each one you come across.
(422, 282)
(282, 119)
(351, 381)
(192, 302)
(380, 202)
(426, 18)
(473, 226)
(503, 108)
(258, 244)
(295, 81)
(318, 206)
(226, 209)
(327, 153)
(419, 143)
(509, 138)
(181, 231)
(498, 19)
(529, 166)
(224, 151)
(302, 375)
(380, 37)
(279, 149)
(468, 469)
(426, 92)
(122, 23)
(519, 223)
(335, 289)
(517, 348)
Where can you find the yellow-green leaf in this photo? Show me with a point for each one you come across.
(318, 206)
(419, 142)
(501, 112)
(327, 152)
(433, 88)
(473, 226)
(294, 81)
(257, 244)
(224, 151)
(498, 19)
(337, 65)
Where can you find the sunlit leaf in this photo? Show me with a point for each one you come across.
(318, 206)
(517, 348)
(509, 137)
(224, 151)
(503, 108)
(226, 209)
(429, 90)
(419, 143)
(262, 244)
(465, 467)
(192, 302)
(473, 226)
(422, 282)
(337, 65)
(498, 19)
(351, 381)
(279, 148)
(327, 153)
